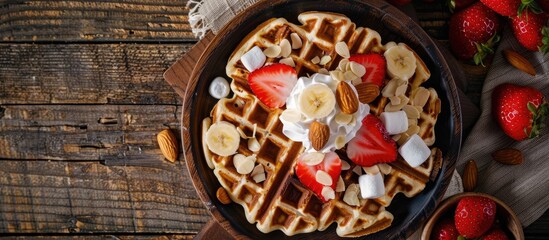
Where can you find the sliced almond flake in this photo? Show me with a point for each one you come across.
(412, 121)
(413, 129)
(351, 195)
(312, 158)
(337, 75)
(342, 49)
(411, 111)
(358, 170)
(389, 89)
(259, 177)
(243, 165)
(343, 118)
(356, 81)
(419, 109)
(394, 100)
(288, 61)
(340, 142)
(385, 168)
(325, 60)
(343, 64)
(285, 48)
(272, 51)
(396, 137)
(291, 115)
(349, 75)
(373, 170)
(401, 90)
(323, 178)
(357, 69)
(421, 97)
(258, 169)
(345, 165)
(297, 43)
(315, 60)
(328, 193)
(394, 108)
(403, 138)
(353, 122)
(323, 71)
(340, 186)
(253, 145)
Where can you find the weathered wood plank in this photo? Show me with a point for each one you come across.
(112, 20)
(68, 197)
(87, 73)
(86, 132)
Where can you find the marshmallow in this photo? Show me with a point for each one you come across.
(219, 88)
(414, 151)
(395, 122)
(253, 59)
(371, 186)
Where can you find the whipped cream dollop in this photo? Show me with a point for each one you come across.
(298, 131)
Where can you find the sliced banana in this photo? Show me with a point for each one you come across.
(317, 101)
(401, 62)
(222, 138)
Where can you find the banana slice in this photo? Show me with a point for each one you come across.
(222, 138)
(401, 62)
(317, 101)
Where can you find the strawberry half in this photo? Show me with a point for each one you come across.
(375, 67)
(474, 216)
(273, 84)
(307, 173)
(372, 144)
(519, 110)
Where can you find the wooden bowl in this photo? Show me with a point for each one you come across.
(393, 25)
(504, 213)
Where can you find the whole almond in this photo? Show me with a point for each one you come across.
(470, 175)
(223, 196)
(346, 98)
(367, 92)
(519, 62)
(319, 133)
(168, 144)
(508, 156)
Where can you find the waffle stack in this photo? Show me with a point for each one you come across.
(281, 202)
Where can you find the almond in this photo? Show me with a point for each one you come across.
(519, 62)
(168, 144)
(367, 92)
(508, 156)
(223, 196)
(319, 133)
(346, 98)
(470, 176)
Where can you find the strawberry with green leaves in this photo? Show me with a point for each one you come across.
(532, 30)
(473, 32)
(511, 8)
(519, 110)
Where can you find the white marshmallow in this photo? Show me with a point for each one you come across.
(253, 59)
(219, 88)
(414, 151)
(371, 186)
(395, 122)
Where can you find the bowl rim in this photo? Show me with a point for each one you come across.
(453, 200)
(263, 5)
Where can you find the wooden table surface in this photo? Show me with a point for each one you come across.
(82, 98)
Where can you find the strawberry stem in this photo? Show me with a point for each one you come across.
(544, 48)
(485, 49)
(538, 118)
(529, 4)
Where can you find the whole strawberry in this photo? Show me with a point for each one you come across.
(473, 32)
(511, 8)
(474, 216)
(519, 110)
(532, 31)
(445, 230)
(495, 234)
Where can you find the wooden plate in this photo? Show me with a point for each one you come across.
(392, 25)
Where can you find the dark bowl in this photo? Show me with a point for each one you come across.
(393, 25)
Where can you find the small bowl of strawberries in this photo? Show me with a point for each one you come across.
(473, 215)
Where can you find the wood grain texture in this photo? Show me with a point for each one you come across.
(68, 197)
(87, 73)
(75, 21)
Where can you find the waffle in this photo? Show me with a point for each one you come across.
(281, 202)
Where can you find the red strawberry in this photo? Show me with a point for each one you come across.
(532, 31)
(372, 144)
(272, 84)
(519, 110)
(456, 5)
(495, 234)
(445, 230)
(473, 32)
(307, 173)
(474, 216)
(375, 67)
(511, 8)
